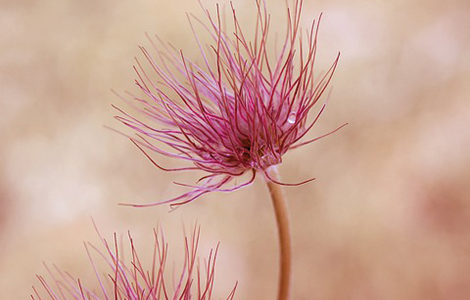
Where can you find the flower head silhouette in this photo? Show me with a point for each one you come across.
(130, 279)
(239, 111)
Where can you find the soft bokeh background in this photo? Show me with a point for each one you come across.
(388, 217)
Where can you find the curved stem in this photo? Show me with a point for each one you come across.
(283, 227)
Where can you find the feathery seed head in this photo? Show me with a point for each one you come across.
(131, 279)
(240, 110)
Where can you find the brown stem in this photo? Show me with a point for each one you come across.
(283, 227)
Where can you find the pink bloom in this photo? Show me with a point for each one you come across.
(239, 111)
(131, 280)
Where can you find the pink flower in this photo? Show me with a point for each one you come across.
(239, 111)
(131, 280)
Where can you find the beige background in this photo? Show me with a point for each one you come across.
(388, 217)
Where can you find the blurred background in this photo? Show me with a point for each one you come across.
(387, 218)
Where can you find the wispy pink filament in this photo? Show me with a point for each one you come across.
(132, 280)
